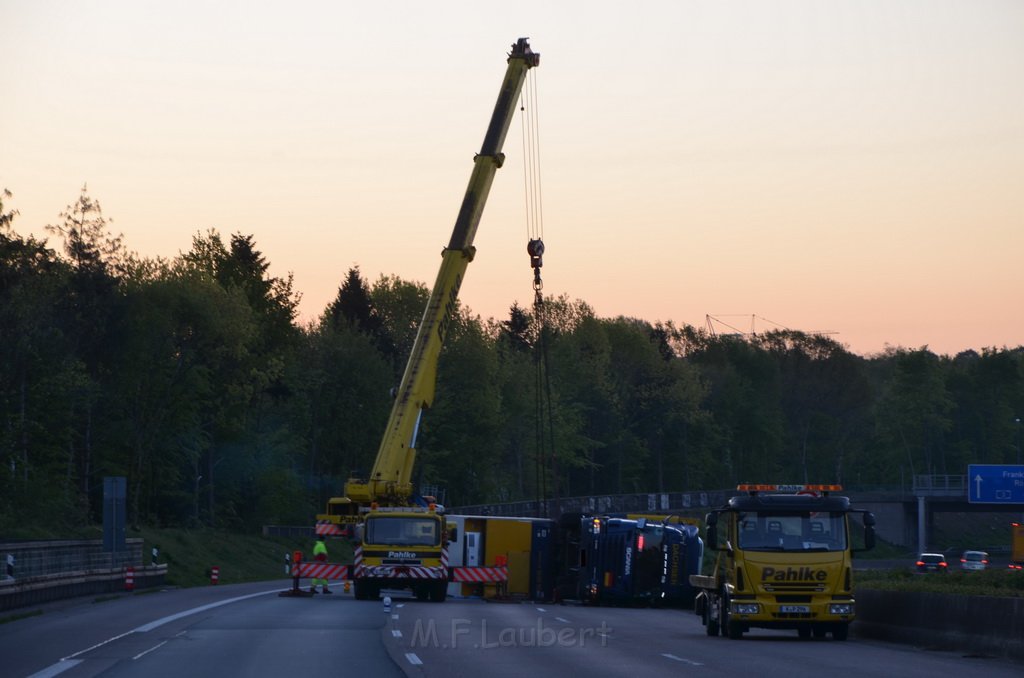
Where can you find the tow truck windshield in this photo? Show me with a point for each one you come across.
(773, 531)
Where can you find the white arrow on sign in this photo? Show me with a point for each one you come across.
(977, 485)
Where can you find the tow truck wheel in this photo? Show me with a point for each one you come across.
(725, 625)
(712, 624)
(439, 591)
(819, 631)
(422, 592)
(360, 591)
(840, 631)
(804, 631)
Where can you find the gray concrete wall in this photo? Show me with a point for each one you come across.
(975, 624)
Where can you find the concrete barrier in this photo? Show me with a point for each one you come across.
(970, 624)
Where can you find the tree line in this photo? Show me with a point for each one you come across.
(193, 378)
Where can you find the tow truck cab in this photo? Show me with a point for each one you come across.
(402, 548)
(784, 561)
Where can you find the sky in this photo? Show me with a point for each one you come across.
(852, 167)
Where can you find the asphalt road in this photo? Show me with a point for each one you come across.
(248, 630)
(473, 638)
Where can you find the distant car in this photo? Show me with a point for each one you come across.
(974, 561)
(931, 562)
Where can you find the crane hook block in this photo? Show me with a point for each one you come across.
(536, 250)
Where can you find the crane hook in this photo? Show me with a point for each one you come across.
(536, 250)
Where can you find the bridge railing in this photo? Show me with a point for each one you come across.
(940, 485)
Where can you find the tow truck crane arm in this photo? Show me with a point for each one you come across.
(390, 478)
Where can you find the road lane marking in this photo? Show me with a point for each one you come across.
(396, 633)
(108, 640)
(541, 609)
(394, 616)
(143, 654)
(68, 662)
(413, 659)
(54, 669)
(680, 659)
(564, 621)
(145, 628)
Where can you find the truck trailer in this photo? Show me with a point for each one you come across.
(609, 560)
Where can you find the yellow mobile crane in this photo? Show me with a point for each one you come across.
(400, 545)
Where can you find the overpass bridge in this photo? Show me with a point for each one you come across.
(906, 516)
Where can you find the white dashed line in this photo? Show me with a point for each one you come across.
(143, 654)
(66, 662)
(680, 659)
(541, 609)
(396, 633)
(564, 621)
(413, 659)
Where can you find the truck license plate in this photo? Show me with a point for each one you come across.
(794, 608)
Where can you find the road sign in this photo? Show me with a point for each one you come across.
(995, 484)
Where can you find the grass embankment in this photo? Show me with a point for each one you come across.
(190, 554)
(1002, 583)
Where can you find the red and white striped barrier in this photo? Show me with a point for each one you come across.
(330, 529)
(129, 578)
(357, 564)
(480, 575)
(214, 574)
(317, 570)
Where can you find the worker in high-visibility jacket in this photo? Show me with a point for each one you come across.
(320, 555)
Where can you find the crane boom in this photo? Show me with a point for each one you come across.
(390, 478)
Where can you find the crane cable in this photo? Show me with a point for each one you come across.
(546, 462)
(531, 180)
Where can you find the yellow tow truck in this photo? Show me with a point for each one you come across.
(401, 543)
(784, 561)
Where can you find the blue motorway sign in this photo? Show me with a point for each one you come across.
(995, 483)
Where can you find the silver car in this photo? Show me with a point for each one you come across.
(974, 561)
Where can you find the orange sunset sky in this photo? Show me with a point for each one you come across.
(852, 166)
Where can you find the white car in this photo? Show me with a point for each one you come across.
(974, 560)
